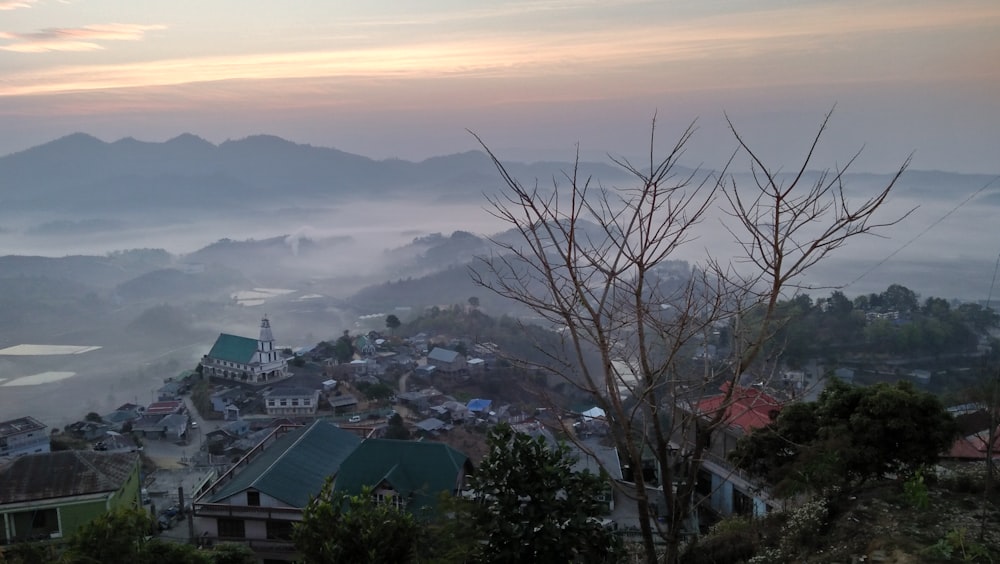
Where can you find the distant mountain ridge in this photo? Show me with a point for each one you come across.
(81, 172)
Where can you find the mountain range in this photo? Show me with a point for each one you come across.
(80, 172)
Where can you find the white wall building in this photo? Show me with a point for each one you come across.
(254, 361)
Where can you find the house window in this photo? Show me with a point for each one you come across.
(295, 402)
(38, 520)
(306, 402)
(391, 498)
(284, 403)
(253, 498)
(279, 530)
(742, 504)
(43, 522)
(232, 529)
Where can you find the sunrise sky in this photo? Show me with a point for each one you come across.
(407, 78)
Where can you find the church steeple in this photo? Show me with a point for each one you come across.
(266, 341)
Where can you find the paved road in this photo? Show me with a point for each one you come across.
(170, 454)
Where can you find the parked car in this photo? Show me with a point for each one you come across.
(354, 419)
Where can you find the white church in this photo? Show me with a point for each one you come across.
(253, 361)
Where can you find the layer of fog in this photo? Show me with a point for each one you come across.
(937, 250)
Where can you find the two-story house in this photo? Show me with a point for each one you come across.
(50, 495)
(254, 361)
(261, 498)
(292, 401)
(25, 435)
(727, 489)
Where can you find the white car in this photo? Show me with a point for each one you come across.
(354, 419)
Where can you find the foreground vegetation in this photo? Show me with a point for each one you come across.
(940, 517)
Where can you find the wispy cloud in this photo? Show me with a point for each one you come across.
(86, 38)
(15, 4)
(701, 49)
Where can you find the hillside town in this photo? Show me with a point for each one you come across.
(235, 449)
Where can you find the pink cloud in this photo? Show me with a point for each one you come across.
(74, 39)
(15, 4)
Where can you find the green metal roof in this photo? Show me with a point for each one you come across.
(295, 466)
(233, 348)
(413, 468)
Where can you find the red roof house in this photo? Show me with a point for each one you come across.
(746, 408)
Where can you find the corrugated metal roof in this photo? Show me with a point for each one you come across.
(443, 355)
(233, 348)
(291, 392)
(418, 469)
(19, 426)
(295, 466)
(68, 473)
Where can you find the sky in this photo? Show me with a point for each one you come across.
(534, 78)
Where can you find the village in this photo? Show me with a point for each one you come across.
(233, 450)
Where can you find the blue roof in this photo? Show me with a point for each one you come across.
(479, 404)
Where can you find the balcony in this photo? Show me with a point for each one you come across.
(227, 510)
(260, 546)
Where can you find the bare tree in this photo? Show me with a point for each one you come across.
(590, 260)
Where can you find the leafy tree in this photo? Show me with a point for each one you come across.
(474, 302)
(838, 304)
(392, 322)
(125, 536)
(979, 318)
(343, 349)
(93, 417)
(450, 535)
(900, 298)
(851, 434)
(586, 259)
(117, 536)
(532, 507)
(337, 527)
(157, 551)
(936, 307)
(377, 391)
(232, 553)
(28, 553)
(397, 430)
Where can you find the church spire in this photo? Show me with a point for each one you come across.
(265, 331)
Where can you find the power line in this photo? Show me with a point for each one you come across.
(924, 231)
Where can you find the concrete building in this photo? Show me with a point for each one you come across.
(292, 401)
(23, 436)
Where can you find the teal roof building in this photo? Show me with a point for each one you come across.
(409, 474)
(243, 359)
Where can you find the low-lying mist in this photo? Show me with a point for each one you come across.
(309, 260)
